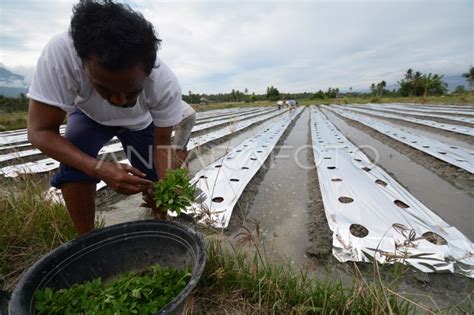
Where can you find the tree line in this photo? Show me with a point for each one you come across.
(413, 83)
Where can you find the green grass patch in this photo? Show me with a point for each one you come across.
(12, 121)
(131, 293)
(240, 282)
(30, 227)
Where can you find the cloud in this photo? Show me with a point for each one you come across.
(294, 45)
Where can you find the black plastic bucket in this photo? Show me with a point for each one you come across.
(110, 251)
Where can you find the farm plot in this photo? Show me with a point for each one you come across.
(444, 126)
(452, 109)
(371, 215)
(222, 182)
(216, 204)
(453, 117)
(201, 120)
(458, 156)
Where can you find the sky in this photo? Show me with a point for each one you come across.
(296, 46)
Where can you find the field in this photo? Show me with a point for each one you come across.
(376, 198)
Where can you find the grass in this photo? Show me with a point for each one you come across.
(235, 281)
(30, 228)
(12, 121)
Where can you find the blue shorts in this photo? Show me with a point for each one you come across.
(90, 136)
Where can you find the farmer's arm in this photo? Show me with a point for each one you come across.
(43, 132)
(162, 150)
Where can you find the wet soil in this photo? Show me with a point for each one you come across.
(291, 217)
(443, 188)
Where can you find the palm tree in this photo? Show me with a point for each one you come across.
(433, 83)
(469, 77)
(417, 80)
(372, 88)
(409, 74)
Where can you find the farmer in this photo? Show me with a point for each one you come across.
(106, 76)
(182, 134)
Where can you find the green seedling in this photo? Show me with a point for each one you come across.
(131, 293)
(174, 193)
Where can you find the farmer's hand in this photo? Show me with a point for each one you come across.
(148, 202)
(180, 158)
(122, 178)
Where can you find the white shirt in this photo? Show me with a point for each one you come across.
(187, 110)
(60, 80)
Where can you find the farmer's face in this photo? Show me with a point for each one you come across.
(120, 88)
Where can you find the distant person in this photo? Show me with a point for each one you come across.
(106, 76)
(182, 134)
(291, 105)
(279, 104)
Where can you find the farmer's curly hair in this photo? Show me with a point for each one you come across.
(120, 37)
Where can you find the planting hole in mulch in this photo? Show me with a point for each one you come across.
(327, 157)
(401, 204)
(426, 146)
(234, 180)
(434, 238)
(217, 166)
(441, 152)
(217, 199)
(381, 182)
(203, 177)
(331, 167)
(245, 168)
(358, 160)
(358, 230)
(345, 199)
(336, 179)
(366, 169)
(453, 147)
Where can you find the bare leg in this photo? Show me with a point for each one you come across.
(80, 202)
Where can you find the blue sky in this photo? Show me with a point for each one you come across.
(217, 46)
